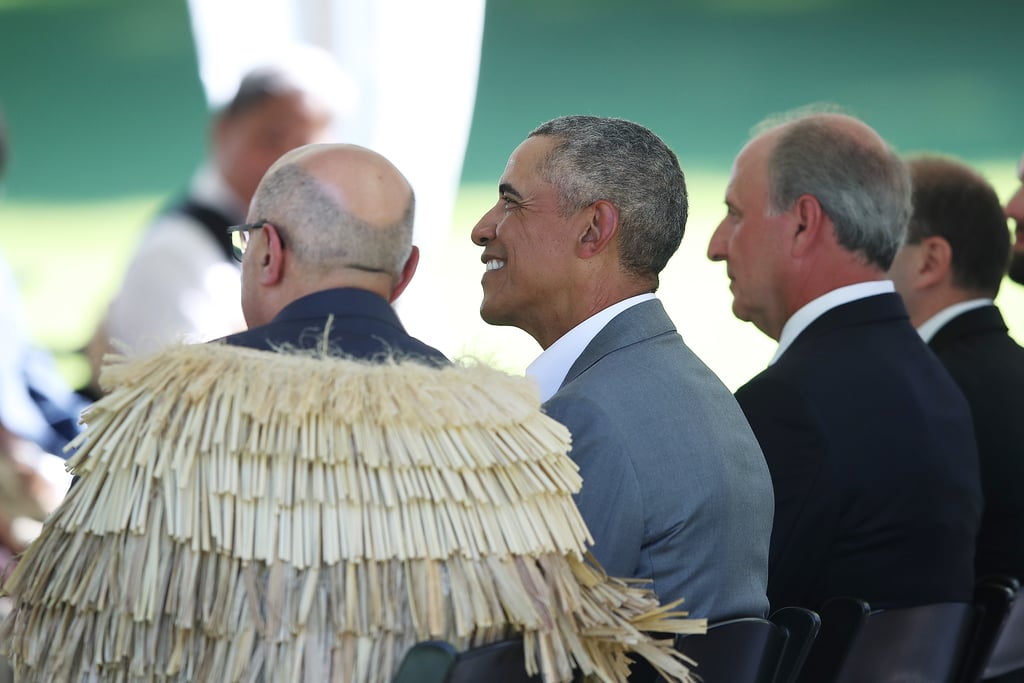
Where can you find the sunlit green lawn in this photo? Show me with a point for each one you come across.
(68, 259)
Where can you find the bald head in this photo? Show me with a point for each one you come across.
(340, 206)
(861, 184)
(339, 216)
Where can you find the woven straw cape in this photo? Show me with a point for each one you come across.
(253, 516)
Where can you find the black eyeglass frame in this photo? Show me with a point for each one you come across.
(239, 245)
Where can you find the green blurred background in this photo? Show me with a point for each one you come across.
(107, 120)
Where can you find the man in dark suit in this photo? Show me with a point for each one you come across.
(675, 488)
(327, 249)
(948, 272)
(868, 439)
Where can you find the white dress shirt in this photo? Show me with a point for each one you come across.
(178, 286)
(551, 366)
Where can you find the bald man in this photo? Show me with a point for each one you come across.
(869, 441)
(181, 283)
(327, 248)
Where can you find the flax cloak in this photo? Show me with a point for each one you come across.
(244, 515)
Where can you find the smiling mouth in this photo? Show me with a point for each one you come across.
(495, 264)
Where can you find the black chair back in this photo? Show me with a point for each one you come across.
(1007, 654)
(921, 643)
(736, 651)
(993, 600)
(802, 625)
(842, 618)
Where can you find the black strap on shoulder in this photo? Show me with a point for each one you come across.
(215, 222)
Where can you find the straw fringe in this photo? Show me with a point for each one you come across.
(247, 516)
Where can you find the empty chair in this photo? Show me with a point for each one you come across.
(842, 618)
(802, 626)
(744, 650)
(993, 600)
(924, 643)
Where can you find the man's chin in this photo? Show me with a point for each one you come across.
(491, 316)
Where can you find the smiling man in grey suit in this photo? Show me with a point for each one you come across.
(675, 487)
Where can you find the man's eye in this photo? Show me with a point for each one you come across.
(508, 203)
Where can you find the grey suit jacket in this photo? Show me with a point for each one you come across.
(675, 487)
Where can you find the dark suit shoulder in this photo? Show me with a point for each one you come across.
(847, 417)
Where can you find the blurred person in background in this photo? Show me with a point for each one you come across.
(39, 415)
(1015, 210)
(949, 271)
(182, 283)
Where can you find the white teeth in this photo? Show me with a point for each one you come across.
(495, 264)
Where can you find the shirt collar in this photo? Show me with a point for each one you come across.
(551, 366)
(813, 310)
(935, 323)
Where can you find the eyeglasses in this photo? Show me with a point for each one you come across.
(240, 237)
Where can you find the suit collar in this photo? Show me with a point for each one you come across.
(353, 301)
(814, 309)
(986, 319)
(872, 309)
(929, 327)
(551, 366)
(641, 322)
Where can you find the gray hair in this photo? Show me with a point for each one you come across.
(321, 233)
(864, 190)
(631, 167)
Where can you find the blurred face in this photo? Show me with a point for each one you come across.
(528, 249)
(1015, 211)
(245, 145)
(749, 241)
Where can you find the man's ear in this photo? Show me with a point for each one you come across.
(935, 262)
(270, 257)
(602, 226)
(405, 277)
(811, 223)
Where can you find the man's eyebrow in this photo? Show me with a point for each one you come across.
(506, 188)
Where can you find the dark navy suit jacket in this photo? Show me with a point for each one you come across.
(362, 325)
(989, 367)
(872, 455)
